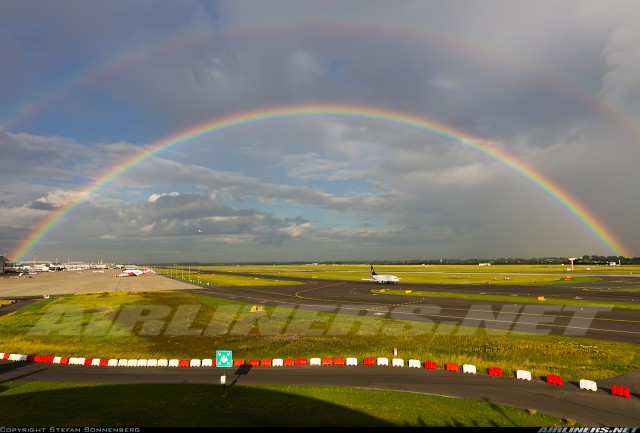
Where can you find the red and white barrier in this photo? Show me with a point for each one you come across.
(523, 374)
(469, 368)
(382, 361)
(414, 363)
(588, 384)
(397, 362)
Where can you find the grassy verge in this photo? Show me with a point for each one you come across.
(412, 275)
(508, 298)
(213, 279)
(148, 325)
(438, 274)
(191, 405)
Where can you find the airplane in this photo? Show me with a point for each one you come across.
(382, 279)
(134, 272)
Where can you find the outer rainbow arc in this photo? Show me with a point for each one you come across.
(250, 28)
(589, 220)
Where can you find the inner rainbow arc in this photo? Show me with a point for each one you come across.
(588, 219)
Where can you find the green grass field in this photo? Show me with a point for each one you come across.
(512, 275)
(191, 405)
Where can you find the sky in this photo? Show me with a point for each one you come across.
(154, 131)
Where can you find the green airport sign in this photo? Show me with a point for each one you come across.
(224, 358)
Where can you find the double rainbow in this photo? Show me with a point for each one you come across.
(589, 220)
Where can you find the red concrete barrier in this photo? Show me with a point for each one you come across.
(32, 358)
(430, 365)
(326, 361)
(6, 356)
(289, 362)
(621, 391)
(184, 363)
(558, 380)
(554, 379)
(301, 361)
(266, 362)
(104, 362)
(369, 361)
(495, 371)
(87, 361)
(451, 367)
(254, 362)
(238, 362)
(338, 361)
(49, 359)
(64, 360)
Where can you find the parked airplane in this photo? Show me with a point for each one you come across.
(134, 272)
(382, 279)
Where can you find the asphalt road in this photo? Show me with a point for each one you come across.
(597, 408)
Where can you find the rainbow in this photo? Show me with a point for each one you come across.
(358, 111)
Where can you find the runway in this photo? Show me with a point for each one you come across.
(356, 297)
(598, 408)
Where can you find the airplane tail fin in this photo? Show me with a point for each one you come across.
(373, 272)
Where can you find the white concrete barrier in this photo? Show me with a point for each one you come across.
(142, 362)
(195, 363)
(112, 362)
(397, 362)
(588, 384)
(207, 362)
(122, 362)
(152, 362)
(352, 361)
(469, 368)
(17, 357)
(174, 363)
(414, 363)
(315, 361)
(382, 361)
(163, 362)
(277, 362)
(1, 355)
(132, 362)
(56, 359)
(523, 374)
(95, 362)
